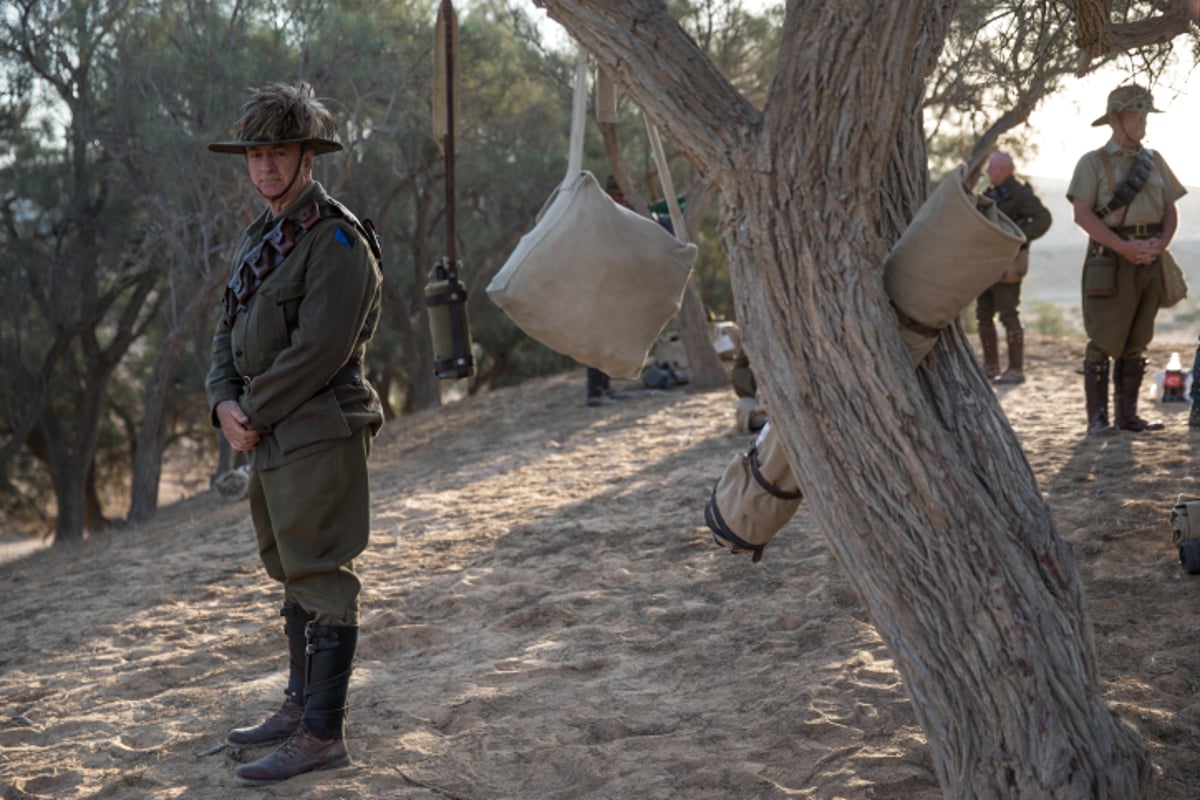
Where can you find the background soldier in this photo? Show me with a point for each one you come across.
(1130, 216)
(1021, 205)
(286, 384)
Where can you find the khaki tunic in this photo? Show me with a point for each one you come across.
(309, 497)
(1122, 326)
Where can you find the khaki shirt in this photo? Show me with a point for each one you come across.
(1091, 183)
(315, 312)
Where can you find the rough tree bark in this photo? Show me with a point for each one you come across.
(915, 478)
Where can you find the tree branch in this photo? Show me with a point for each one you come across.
(654, 60)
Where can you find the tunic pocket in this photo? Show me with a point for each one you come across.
(276, 314)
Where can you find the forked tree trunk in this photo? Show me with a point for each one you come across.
(915, 477)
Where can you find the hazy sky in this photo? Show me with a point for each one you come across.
(1063, 132)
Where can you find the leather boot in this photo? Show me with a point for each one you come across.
(1127, 383)
(319, 743)
(1095, 387)
(284, 722)
(991, 349)
(1016, 357)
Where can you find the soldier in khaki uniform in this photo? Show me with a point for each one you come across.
(286, 385)
(1120, 304)
(1022, 206)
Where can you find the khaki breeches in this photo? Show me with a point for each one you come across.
(312, 518)
(1122, 326)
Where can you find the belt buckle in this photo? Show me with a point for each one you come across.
(1141, 231)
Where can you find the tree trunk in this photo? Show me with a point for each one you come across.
(915, 478)
(153, 430)
(704, 365)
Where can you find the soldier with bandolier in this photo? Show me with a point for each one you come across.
(1124, 198)
(286, 385)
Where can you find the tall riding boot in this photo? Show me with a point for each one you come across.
(1127, 383)
(284, 722)
(1016, 357)
(991, 349)
(1095, 386)
(319, 743)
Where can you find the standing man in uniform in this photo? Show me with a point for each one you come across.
(1124, 198)
(286, 385)
(1022, 206)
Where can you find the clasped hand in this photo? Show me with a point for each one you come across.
(1142, 251)
(236, 426)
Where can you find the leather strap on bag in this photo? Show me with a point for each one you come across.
(770, 488)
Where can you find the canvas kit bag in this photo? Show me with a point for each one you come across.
(754, 498)
(957, 246)
(1174, 285)
(594, 280)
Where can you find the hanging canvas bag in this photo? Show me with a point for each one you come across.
(957, 245)
(594, 280)
(1174, 285)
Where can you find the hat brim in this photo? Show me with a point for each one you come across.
(1104, 120)
(319, 146)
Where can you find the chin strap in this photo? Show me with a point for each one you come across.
(286, 189)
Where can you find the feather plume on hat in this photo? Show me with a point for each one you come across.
(282, 113)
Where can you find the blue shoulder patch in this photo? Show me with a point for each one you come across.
(342, 237)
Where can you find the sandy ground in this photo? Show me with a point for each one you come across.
(545, 617)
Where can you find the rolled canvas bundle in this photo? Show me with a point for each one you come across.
(592, 279)
(958, 245)
(755, 497)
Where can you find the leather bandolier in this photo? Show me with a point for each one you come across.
(277, 243)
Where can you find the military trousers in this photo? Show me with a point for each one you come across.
(312, 518)
(1002, 299)
(1121, 326)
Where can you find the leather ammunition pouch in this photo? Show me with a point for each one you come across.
(1099, 271)
(278, 242)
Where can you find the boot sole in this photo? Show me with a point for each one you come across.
(341, 762)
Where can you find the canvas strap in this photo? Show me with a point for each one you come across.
(605, 100)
